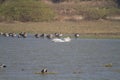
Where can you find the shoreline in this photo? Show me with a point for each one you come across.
(86, 29)
(82, 36)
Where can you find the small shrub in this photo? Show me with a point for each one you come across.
(96, 13)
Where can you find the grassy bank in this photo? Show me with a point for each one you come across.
(89, 29)
(25, 11)
(50, 10)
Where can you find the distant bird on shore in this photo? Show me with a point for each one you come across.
(77, 35)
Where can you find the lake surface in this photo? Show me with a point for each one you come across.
(80, 59)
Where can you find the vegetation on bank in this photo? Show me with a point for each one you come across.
(89, 9)
(86, 17)
(25, 10)
(48, 10)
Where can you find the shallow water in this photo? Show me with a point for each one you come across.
(80, 59)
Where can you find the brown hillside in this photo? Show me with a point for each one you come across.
(83, 9)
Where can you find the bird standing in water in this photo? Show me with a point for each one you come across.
(44, 70)
(3, 66)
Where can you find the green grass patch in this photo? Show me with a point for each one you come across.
(25, 10)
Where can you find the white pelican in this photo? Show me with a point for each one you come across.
(67, 39)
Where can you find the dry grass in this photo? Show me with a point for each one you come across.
(97, 28)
